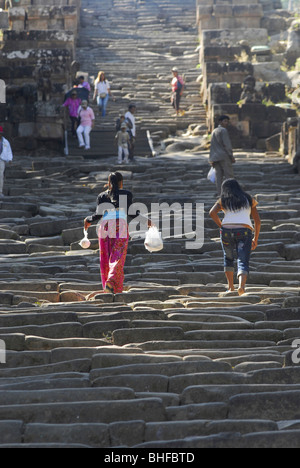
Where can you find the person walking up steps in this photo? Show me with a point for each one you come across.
(237, 230)
(113, 233)
(221, 154)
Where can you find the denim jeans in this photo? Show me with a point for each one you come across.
(102, 103)
(237, 243)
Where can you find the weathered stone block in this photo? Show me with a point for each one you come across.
(104, 360)
(221, 11)
(127, 433)
(16, 17)
(274, 406)
(11, 432)
(253, 112)
(139, 335)
(13, 341)
(93, 435)
(147, 409)
(48, 228)
(207, 411)
(180, 382)
(139, 383)
(292, 252)
(4, 23)
(49, 131)
(231, 37)
(22, 397)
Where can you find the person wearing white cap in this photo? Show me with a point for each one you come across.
(177, 91)
(6, 156)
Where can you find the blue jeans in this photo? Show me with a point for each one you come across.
(237, 243)
(102, 103)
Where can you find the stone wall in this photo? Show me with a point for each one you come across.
(30, 18)
(226, 16)
(36, 62)
(242, 74)
(290, 142)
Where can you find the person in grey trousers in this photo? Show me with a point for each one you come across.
(221, 154)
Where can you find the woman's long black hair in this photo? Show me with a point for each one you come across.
(233, 198)
(114, 178)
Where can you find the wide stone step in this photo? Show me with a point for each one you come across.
(148, 409)
(64, 395)
(100, 435)
(168, 369)
(277, 405)
(284, 439)
(174, 361)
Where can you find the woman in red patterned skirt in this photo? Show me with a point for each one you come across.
(112, 209)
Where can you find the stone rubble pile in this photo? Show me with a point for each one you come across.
(171, 362)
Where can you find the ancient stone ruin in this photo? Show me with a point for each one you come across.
(245, 70)
(37, 51)
(174, 362)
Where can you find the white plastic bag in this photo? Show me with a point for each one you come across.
(212, 175)
(85, 243)
(153, 241)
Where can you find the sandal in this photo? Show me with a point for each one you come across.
(109, 289)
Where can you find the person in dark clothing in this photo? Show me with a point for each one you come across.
(112, 210)
(221, 153)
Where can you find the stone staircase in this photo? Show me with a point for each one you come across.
(137, 44)
(172, 362)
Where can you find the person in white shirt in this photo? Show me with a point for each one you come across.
(6, 156)
(102, 92)
(87, 121)
(238, 236)
(131, 126)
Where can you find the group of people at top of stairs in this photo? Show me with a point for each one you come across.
(82, 116)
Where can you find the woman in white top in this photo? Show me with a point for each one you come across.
(237, 230)
(102, 92)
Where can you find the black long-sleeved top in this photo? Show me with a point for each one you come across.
(123, 200)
